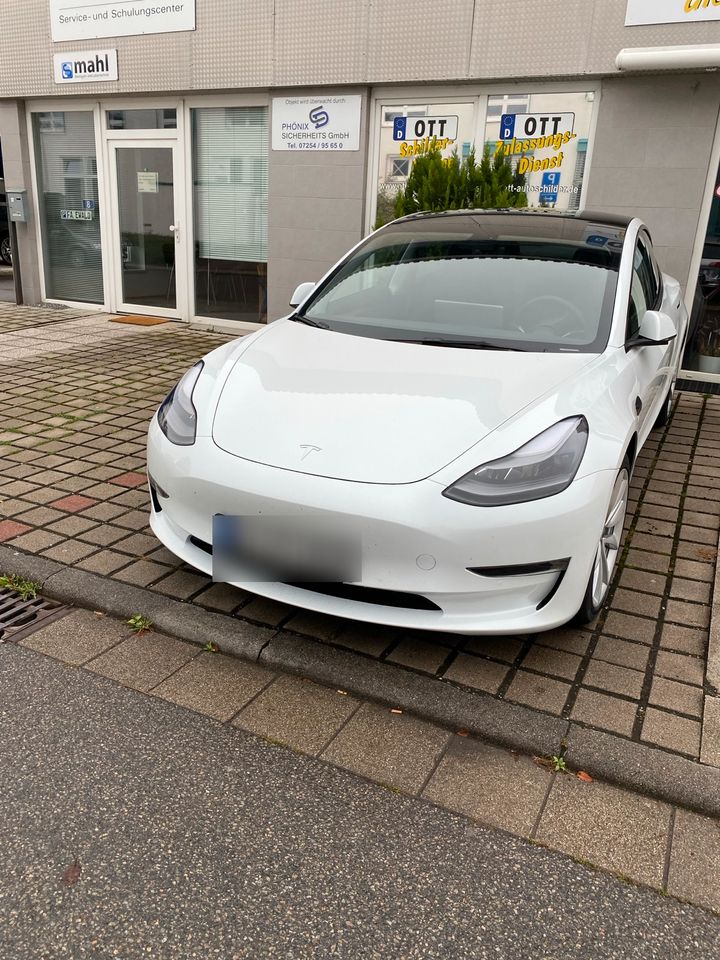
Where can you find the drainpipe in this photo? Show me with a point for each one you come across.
(705, 56)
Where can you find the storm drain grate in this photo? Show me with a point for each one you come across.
(19, 617)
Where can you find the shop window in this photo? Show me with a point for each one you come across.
(398, 167)
(69, 205)
(390, 113)
(142, 119)
(703, 347)
(230, 191)
(578, 176)
(541, 138)
(51, 122)
(513, 103)
(422, 131)
(545, 136)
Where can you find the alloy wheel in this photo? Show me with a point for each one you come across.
(611, 539)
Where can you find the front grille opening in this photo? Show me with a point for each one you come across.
(374, 595)
(201, 545)
(521, 570)
(551, 593)
(19, 618)
(154, 497)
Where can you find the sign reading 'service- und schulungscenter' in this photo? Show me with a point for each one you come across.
(89, 19)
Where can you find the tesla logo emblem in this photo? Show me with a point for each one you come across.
(309, 448)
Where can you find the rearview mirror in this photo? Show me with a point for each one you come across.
(655, 329)
(301, 293)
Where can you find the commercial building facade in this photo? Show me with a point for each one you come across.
(197, 160)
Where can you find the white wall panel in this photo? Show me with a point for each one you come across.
(420, 39)
(640, 119)
(273, 43)
(320, 41)
(520, 39)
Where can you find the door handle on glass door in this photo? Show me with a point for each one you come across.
(174, 228)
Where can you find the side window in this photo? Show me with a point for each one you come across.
(656, 271)
(639, 301)
(650, 279)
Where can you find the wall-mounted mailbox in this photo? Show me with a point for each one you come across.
(17, 205)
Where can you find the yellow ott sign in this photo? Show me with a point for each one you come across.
(643, 12)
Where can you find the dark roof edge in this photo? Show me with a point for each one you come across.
(590, 216)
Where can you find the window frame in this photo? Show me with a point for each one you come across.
(647, 274)
(650, 281)
(392, 160)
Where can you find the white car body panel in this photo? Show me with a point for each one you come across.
(299, 421)
(393, 518)
(377, 412)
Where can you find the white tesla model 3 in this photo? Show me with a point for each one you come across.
(441, 435)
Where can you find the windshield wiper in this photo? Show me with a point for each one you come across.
(301, 318)
(464, 344)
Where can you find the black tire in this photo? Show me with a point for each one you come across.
(602, 571)
(6, 251)
(663, 418)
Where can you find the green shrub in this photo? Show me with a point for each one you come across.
(455, 183)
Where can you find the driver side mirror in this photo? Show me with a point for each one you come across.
(301, 292)
(656, 329)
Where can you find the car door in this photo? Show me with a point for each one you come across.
(647, 361)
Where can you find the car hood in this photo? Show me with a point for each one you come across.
(353, 408)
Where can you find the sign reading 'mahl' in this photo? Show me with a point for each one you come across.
(84, 66)
(641, 12)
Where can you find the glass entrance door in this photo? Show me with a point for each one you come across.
(147, 229)
(702, 354)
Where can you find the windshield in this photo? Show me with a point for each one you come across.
(446, 286)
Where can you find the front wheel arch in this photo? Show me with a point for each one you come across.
(631, 453)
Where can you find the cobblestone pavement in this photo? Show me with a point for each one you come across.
(78, 395)
(644, 840)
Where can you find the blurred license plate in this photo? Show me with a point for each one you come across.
(284, 549)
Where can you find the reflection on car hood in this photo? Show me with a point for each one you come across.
(354, 408)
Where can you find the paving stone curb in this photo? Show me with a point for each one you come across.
(507, 724)
(182, 620)
(710, 744)
(634, 766)
(646, 770)
(713, 660)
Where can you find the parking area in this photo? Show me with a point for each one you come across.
(78, 392)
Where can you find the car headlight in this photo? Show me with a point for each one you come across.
(176, 415)
(542, 467)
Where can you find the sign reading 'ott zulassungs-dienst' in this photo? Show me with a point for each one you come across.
(642, 12)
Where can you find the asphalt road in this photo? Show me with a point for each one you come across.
(194, 840)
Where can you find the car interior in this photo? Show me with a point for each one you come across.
(509, 291)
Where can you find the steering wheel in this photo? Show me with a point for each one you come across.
(562, 311)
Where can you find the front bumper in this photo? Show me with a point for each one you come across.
(415, 541)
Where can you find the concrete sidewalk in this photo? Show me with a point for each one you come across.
(135, 828)
(628, 694)
(634, 837)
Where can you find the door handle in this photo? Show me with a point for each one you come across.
(174, 228)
